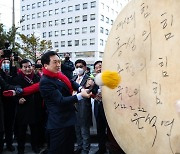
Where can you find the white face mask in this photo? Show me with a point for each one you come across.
(79, 71)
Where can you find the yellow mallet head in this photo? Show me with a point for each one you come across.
(110, 79)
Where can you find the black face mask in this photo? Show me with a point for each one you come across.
(66, 58)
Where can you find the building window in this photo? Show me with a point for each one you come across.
(56, 1)
(102, 18)
(50, 34)
(77, 7)
(33, 5)
(76, 42)
(56, 44)
(112, 10)
(63, 0)
(23, 8)
(63, 21)
(28, 17)
(69, 43)
(84, 17)
(50, 2)
(56, 33)
(63, 9)
(62, 43)
(92, 41)
(77, 18)
(107, 32)
(84, 42)
(33, 16)
(93, 4)
(44, 34)
(69, 20)
(111, 22)
(84, 30)
(38, 14)
(33, 26)
(92, 29)
(107, 8)
(38, 25)
(85, 5)
(23, 18)
(107, 20)
(92, 17)
(44, 24)
(44, 13)
(69, 31)
(101, 30)
(62, 32)
(28, 7)
(50, 23)
(38, 4)
(23, 27)
(50, 12)
(56, 22)
(28, 27)
(56, 11)
(101, 42)
(102, 5)
(44, 3)
(70, 8)
(76, 30)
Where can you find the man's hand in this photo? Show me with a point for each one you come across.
(85, 94)
(21, 100)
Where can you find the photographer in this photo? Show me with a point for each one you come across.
(5, 86)
(8, 71)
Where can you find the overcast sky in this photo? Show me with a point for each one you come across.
(6, 12)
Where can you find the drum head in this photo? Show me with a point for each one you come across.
(144, 47)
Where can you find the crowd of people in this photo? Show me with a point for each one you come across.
(53, 103)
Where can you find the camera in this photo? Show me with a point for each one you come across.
(8, 52)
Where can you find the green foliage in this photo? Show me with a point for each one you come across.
(33, 47)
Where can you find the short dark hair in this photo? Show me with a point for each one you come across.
(24, 61)
(80, 61)
(45, 59)
(99, 61)
(67, 53)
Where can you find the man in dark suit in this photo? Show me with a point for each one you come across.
(56, 90)
(84, 108)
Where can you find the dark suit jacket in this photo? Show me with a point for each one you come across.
(84, 107)
(29, 112)
(59, 103)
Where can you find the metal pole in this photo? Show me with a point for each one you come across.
(13, 24)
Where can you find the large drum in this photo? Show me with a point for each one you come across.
(144, 47)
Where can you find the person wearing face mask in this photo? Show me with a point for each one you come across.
(28, 113)
(84, 109)
(67, 66)
(8, 72)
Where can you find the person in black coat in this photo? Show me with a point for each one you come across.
(8, 71)
(27, 108)
(17, 90)
(67, 66)
(56, 90)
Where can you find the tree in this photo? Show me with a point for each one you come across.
(3, 37)
(33, 47)
(8, 36)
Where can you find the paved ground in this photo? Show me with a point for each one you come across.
(94, 148)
